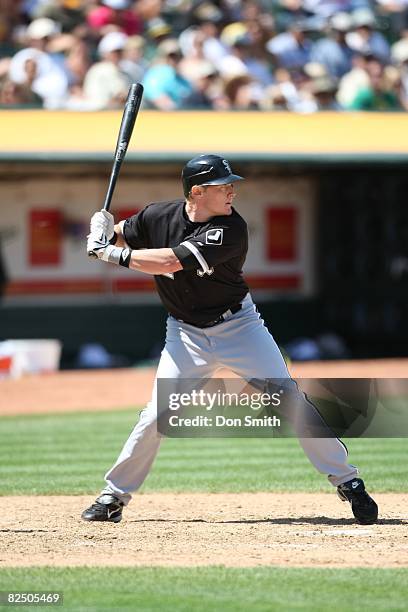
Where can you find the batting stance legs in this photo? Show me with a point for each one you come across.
(246, 347)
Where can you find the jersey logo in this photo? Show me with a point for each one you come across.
(214, 236)
(209, 272)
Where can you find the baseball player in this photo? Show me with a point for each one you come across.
(196, 247)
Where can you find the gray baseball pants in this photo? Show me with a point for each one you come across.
(242, 344)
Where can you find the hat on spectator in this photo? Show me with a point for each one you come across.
(170, 46)
(363, 18)
(341, 22)
(323, 85)
(314, 70)
(243, 41)
(206, 11)
(42, 28)
(134, 42)
(399, 51)
(231, 67)
(232, 31)
(157, 27)
(204, 69)
(113, 41)
(117, 5)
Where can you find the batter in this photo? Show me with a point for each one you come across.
(196, 247)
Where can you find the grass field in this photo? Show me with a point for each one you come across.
(68, 454)
(215, 588)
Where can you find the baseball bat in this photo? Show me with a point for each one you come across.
(130, 112)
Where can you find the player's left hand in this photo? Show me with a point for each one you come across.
(103, 221)
(97, 243)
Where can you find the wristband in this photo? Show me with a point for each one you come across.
(125, 258)
(117, 255)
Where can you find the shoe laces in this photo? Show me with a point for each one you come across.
(97, 506)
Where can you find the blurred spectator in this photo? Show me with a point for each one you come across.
(304, 80)
(364, 38)
(146, 10)
(156, 30)
(292, 49)
(28, 7)
(333, 51)
(353, 81)
(165, 87)
(242, 93)
(213, 48)
(10, 18)
(275, 99)
(259, 69)
(205, 94)
(396, 12)
(399, 53)
(260, 31)
(324, 91)
(393, 83)
(192, 47)
(78, 61)
(69, 14)
(288, 12)
(114, 15)
(299, 55)
(379, 94)
(38, 69)
(105, 84)
(12, 94)
(291, 92)
(255, 26)
(133, 62)
(328, 8)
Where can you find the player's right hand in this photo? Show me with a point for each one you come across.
(103, 222)
(97, 243)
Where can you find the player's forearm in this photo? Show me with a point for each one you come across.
(155, 261)
(108, 243)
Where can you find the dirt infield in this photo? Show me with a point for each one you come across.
(242, 530)
(236, 530)
(124, 388)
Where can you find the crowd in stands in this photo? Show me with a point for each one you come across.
(298, 55)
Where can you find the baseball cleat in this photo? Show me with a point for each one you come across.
(105, 508)
(363, 506)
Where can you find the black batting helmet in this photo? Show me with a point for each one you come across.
(207, 170)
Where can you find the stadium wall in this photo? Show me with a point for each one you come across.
(328, 229)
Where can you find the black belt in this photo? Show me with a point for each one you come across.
(220, 319)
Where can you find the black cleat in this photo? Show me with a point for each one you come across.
(106, 508)
(363, 506)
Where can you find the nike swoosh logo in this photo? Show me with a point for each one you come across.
(125, 254)
(112, 512)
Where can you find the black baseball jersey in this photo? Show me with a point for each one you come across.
(212, 254)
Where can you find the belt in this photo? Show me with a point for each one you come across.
(220, 319)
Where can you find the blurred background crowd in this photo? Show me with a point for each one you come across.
(297, 55)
